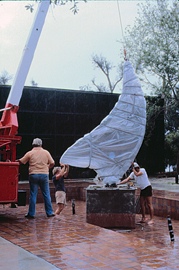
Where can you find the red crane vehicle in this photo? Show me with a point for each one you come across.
(9, 168)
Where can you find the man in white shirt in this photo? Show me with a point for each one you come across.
(140, 176)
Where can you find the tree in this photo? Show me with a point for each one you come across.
(85, 88)
(58, 2)
(106, 67)
(33, 83)
(5, 77)
(156, 33)
(172, 146)
(153, 46)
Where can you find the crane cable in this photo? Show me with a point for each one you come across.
(120, 21)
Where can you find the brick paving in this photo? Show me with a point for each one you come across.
(67, 242)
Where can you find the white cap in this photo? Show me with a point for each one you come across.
(37, 142)
(55, 169)
(136, 165)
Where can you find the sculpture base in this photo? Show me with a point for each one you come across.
(110, 207)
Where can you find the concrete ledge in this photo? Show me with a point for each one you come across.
(75, 189)
(165, 202)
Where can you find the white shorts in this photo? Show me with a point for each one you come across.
(60, 197)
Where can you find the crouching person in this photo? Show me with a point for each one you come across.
(141, 177)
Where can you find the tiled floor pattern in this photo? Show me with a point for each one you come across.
(69, 243)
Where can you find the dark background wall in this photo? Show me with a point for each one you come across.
(60, 117)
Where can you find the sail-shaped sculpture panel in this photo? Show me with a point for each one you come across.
(112, 146)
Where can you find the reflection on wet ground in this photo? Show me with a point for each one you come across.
(68, 242)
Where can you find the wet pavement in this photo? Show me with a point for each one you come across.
(67, 242)
(168, 184)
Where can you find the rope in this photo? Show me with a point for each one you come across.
(5, 109)
(120, 21)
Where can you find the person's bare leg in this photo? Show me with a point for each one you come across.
(142, 205)
(59, 209)
(151, 209)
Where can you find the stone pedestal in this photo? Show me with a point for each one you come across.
(110, 207)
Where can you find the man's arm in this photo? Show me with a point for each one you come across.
(59, 174)
(137, 173)
(51, 161)
(62, 172)
(24, 159)
(51, 165)
(66, 170)
(125, 180)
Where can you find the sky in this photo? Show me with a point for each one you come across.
(63, 56)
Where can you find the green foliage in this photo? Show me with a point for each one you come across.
(153, 46)
(63, 2)
(154, 110)
(58, 2)
(156, 33)
(172, 146)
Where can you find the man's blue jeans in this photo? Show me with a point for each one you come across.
(42, 181)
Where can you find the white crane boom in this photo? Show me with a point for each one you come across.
(27, 57)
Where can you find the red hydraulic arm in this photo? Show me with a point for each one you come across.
(8, 131)
(9, 169)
